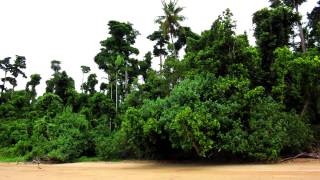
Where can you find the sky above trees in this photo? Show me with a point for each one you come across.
(70, 31)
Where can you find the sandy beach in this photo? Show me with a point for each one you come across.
(139, 170)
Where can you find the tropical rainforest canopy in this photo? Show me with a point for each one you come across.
(223, 98)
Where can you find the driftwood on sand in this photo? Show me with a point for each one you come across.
(303, 155)
(34, 161)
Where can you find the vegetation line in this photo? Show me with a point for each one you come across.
(223, 100)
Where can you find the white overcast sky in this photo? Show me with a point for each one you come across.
(70, 30)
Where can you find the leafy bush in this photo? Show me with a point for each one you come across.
(15, 105)
(112, 147)
(49, 105)
(14, 137)
(62, 138)
(205, 115)
(273, 131)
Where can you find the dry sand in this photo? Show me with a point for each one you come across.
(141, 170)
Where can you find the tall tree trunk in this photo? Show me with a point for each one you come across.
(33, 90)
(305, 107)
(126, 80)
(160, 63)
(82, 82)
(111, 90)
(116, 92)
(174, 48)
(110, 124)
(301, 33)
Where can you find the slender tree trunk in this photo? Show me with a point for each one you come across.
(301, 33)
(305, 107)
(126, 80)
(111, 90)
(196, 148)
(110, 124)
(174, 48)
(116, 93)
(194, 145)
(82, 82)
(160, 63)
(34, 94)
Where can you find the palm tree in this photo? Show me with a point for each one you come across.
(170, 21)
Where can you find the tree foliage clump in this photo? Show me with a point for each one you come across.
(273, 29)
(204, 116)
(314, 25)
(62, 138)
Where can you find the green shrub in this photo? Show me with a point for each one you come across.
(112, 147)
(62, 138)
(14, 136)
(49, 105)
(205, 115)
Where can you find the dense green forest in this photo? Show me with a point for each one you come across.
(215, 95)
